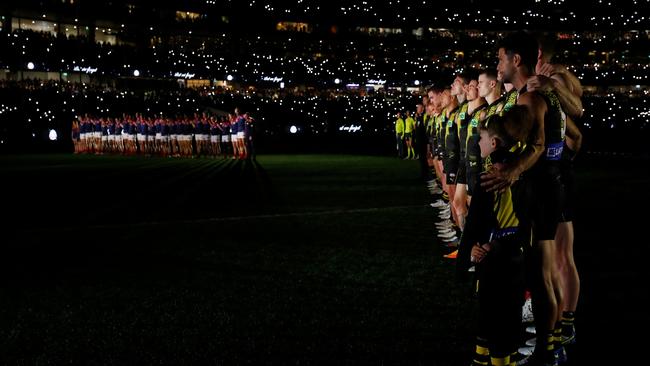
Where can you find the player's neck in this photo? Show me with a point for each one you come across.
(493, 95)
(520, 80)
(475, 103)
(452, 106)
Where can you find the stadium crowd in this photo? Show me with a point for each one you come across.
(310, 60)
(314, 81)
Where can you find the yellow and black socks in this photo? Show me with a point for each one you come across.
(557, 334)
(568, 327)
(558, 348)
(500, 361)
(481, 353)
(544, 350)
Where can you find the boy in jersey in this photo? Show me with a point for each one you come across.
(494, 239)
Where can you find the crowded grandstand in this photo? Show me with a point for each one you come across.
(290, 67)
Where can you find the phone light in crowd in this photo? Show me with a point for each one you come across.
(229, 77)
(293, 129)
(136, 73)
(282, 85)
(53, 135)
(337, 81)
(30, 65)
(417, 82)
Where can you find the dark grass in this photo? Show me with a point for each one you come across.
(288, 260)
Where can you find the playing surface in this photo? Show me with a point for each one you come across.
(291, 259)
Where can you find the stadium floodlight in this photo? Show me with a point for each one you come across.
(337, 81)
(136, 73)
(229, 77)
(30, 65)
(53, 135)
(293, 129)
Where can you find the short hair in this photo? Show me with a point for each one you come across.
(511, 127)
(489, 73)
(546, 43)
(523, 44)
(466, 76)
(436, 89)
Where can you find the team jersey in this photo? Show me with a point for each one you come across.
(493, 107)
(399, 126)
(473, 151)
(440, 122)
(430, 122)
(462, 122)
(452, 143)
(510, 99)
(554, 130)
(493, 218)
(151, 130)
(554, 127)
(409, 125)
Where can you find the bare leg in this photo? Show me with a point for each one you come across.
(570, 280)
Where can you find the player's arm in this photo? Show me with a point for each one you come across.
(574, 136)
(572, 81)
(570, 102)
(503, 176)
(537, 108)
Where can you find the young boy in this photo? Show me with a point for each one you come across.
(494, 239)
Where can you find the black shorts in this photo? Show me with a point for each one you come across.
(461, 177)
(440, 153)
(473, 173)
(451, 170)
(568, 179)
(546, 205)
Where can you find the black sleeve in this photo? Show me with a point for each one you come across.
(479, 224)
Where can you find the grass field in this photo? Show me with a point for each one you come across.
(305, 259)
